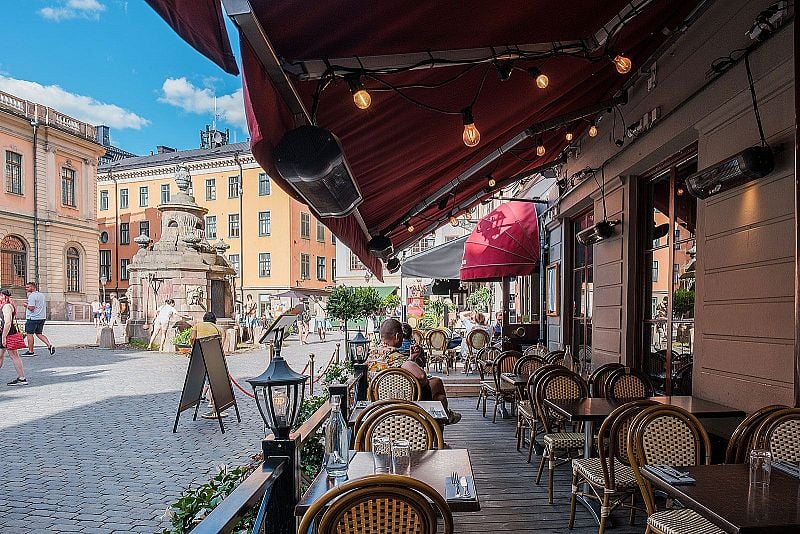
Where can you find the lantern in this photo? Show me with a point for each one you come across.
(279, 394)
(359, 349)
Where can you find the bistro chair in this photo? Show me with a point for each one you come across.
(374, 406)
(500, 389)
(597, 380)
(477, 339)
(742, 439)
(394, 383)
(407, 421)
(535, 350)
(527, 416)
(524, 367)
(669, 435)
(682, 380)
(555, 357)
(610, 476)
(378, 503)
(440, 355)
(418, 336)
(780, 433)
(626, 384)
(484, 363)
(560, 446)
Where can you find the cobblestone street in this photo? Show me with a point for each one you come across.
(88, 445)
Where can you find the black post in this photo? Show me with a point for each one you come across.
(361, 387)
(286, 490)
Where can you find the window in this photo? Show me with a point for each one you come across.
(123, 198)
(333, 239)
(13, 172)
(74, 269)
(581, 289)
(233, 187)
(676, 272)
(144, 228)
(320, 232)
(164, 193)
(333, 269)
(305, 225)
(13, 262)
(320, 268)
(264, 264)
(124, 233)
(211, 226)
(211, 189)
(305, 266)
(264, 223)
(655, 270)
(68, 187)
(233, 259)
(103, 200)
(355, 263)
(233, 225)
(123, 269)
(422, 245)
(264, 185)
(144, 196)
(105, 264)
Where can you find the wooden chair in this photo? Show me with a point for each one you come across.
(500, 389)
(626, 384)
(394, 383)
(743, 438)
(378, 503)
(484, 363)
(374, 406)
(525, 367)
(535, 350)
(780, 433)
(558, 384)
(597, 380)
(527, 416)
(555, 357)
(440, 355)
(682, 380)
(477, 339)
(609, 476)
(418, 336)
(407, 421)
(668, 435)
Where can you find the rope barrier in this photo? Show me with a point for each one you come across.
(235, 383)
(322, 374)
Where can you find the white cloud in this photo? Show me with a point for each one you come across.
(84, 108)
(73, 9)
(181, 93)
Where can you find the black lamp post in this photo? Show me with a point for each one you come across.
(279, 394)
(359, 349)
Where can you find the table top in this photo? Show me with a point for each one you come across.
(517, 380)
(434, 408)
(740, 508)
(597, 409)
(432, 467)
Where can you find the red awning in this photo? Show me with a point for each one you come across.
(504, 243)
(401, 153)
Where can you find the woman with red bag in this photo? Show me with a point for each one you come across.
(9, 341)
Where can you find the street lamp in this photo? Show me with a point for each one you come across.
(103, 282)
(359, 349)
(279, 394)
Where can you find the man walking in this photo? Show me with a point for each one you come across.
(35, 315)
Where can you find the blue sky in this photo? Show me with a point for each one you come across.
(118, 63)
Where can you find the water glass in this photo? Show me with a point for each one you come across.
(401, 457)
(382, 454)
(760, 467)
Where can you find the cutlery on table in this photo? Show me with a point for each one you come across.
(463, 483)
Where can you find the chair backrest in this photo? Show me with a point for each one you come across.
(418, 336)
(401, 422)
(488, 354)
(555, 357)
(559, 384)
(780, 433)
(664, 434)
(597, 380)
(477, 339)
(378, 503)
(682, 380)
(743, 438)
(613, 435)
(504, 363)
(438, 339)
(394, 383)
(626, 384)
(526, 365)
(374, 406)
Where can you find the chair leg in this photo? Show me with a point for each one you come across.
(519, 432)
(480, 395)
(485, 400)
(494, 417)
(530, 446)
(541, 467)
(633, 508)
(573, 499)
(604, 511)
(551, 468)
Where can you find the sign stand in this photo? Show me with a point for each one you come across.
(278, 328)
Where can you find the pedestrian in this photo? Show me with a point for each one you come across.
(320, 319)
(7, 329)
(251, 317)
(35, 315)
(107, 313)
(161, 323)
(97, 312)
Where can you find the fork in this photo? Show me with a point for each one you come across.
(454, 482)
(462, 482)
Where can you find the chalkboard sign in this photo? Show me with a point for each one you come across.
(207, 361)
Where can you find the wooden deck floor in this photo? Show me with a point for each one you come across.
(510, 499)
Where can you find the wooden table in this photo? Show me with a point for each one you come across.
(432, 467)
(517, 381)
(723, 495)
(434, 408)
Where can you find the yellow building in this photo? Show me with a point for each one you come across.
(275, 243)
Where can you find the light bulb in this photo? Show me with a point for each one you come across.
(471, 135)
(542, 81)
(280, 402)
(453, 220)
(410, 228)
(540, 150)
(593, 131)
(362, 99)
(492, 182)
(568, 137)
(622, 64)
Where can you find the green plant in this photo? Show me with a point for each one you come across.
(345, 303)
(682, 302)
(391, 302)
(312, 452)
(138, 343)
(337, 373)
(183, 337)
(479, 299)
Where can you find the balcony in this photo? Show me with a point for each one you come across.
(46, 116)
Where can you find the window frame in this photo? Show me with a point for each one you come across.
(264, 184)
(211, 189)
(235, 262)
(264, 223)
(68, 186)
(103, 200)
(125, 233)
(264, 264)
(234, 189)
(305, 266)
(144, 196)
(321, 264)
(14, 173)
(320, 232)
(165, 198)
(124, 264)
(305, 225)
(72, 266)
(123, 193)
(144, 224)
(208, 218)
(234, 223)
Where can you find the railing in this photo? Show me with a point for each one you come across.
(46, 115)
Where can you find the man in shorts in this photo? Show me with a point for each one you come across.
(35, 315)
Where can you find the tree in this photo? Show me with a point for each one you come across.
(391, 302)
(480, 298)
(346, 303)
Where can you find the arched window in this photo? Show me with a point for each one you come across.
(73, 270)
(13, 262)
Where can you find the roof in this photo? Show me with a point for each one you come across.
(167, 158)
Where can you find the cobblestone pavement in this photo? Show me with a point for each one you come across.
(88, 445)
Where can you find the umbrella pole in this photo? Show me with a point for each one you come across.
(505, 284)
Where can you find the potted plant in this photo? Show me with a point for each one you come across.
(479, 299)
(182, 343)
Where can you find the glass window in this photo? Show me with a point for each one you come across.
(124, 233)
(320, 268)
(264, 185)
(233, 187)
(333, 269)
(14, 172)
(144, 196)
(74, 270)
(123, 269)
(211, 189)
(320, 232)
(233, 225)
(305, 266)
(582, 290)
(305, 225)
(655, 270)
(355, 263)
(233, 259)
(264, 223)
(13, 262)
(333, 239)
(211, 226)
(103, 200)
(264, 264)
(164, 193)
(68, 187)
(422, 245)
(144, 228)
(123, 198)
(105, 264)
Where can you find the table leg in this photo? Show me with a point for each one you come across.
(504, 411)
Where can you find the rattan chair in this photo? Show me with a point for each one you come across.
(664, 434)
(375, 406)
(609, 476)
(477, 339)
(558, 384)
(626, 384)
(501, 390)
(394, 383)
(597, 380)
(401, 422)
(682, 380)
(780, 433)
(555, 357)
(394, 504)
(525, 367)
(535, 350)
(485, 361)
(527, 416)
(440, 355)
(743, 438)
(418, 336)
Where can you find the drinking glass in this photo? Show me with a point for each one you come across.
(401, 457)
(382, 454)
(760, 467)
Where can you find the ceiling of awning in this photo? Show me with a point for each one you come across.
(400, 153)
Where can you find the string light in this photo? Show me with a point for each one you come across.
(592, 131)
(410, 228)
(568, 136)
(453, 220)
(361, 97)
(492, 182)
(623, 64)
(471, 135)
(542, 81)
(540, 150)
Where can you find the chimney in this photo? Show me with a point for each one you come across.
(102, 135)
(161, 149)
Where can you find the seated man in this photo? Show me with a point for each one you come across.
(432, 387)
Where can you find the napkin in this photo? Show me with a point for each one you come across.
(450, 490)
(665, 473)
(790, 468)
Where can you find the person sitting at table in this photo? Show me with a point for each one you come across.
(472, 321)
(432, 387)
(498, 325)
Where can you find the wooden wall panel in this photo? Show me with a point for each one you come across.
(765, 320)
(608, 295)
(755, 203)
(738, 356)
(607, 317)
(743, 392)
(751, 245)
(759, 282)
(608, 274)
(606, 340)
